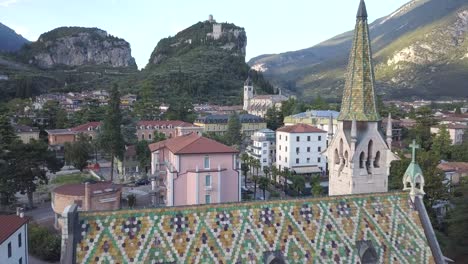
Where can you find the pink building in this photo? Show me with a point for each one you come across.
(195, 170)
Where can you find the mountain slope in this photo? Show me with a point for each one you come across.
(9, 40)
(419, 50)
(205, 62)
(67, 59)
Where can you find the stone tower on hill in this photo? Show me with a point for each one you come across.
(358, 155)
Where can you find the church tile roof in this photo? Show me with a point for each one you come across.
(358, 96)
(323, 230)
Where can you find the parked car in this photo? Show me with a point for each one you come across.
(142, 182)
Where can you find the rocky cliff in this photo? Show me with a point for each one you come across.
(205, 62)
(76, 46)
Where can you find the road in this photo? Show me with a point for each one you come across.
(43, 213)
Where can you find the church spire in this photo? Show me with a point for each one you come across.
(362, 11)
(358, 96)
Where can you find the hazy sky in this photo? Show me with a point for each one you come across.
(272, 26)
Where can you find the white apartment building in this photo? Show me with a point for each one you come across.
(456, 132)
(263, 147)
(299, 147)
(13, 239)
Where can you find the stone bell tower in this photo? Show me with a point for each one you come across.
(358, 155)
(248, 93)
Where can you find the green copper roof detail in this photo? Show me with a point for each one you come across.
(358, 96)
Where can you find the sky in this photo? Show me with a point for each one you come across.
(272, 26)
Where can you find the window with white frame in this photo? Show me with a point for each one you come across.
(207, 199)
(319, 160)
(297, 161)
(298, 138)
(208, 180)
(308, 149)
(319, 138)
(308, 160)
(319, 149)
(308, 138)
(206, 163)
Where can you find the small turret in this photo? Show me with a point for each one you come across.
(353, 135)
(413, 179)
(389, 131)
(330, 129)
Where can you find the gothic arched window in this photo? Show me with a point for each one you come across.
(337, 157)
(341, 147)
(346, 158)
(377, 160)
(362, 160)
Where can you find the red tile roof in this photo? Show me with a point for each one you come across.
(454, 166)
(300, 128)
(9, 225)
(192, 144)
(78, 189)
(173, 123)
(84, 127)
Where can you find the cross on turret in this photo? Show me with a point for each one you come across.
(414, 146)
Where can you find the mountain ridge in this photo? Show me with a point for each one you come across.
(11, 41)
(321, 68)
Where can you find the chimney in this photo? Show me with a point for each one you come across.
(87, 197)
(20, 211)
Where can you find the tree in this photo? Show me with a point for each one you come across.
(143, 155)
(43, 243)
(319, 104)
(274, 118)
(245, 168)
(256, 166)
(7, 133)
(457, 223)
(158, 136)
(56, 116)
(441, 143)
(266, 172)
(274, 174)
(147, 106)
(263, 185)
(110, 136)
(233, 134)
(129, 129)
(131, 198)
(298, 184)
(315, 185)
(286, 175)
(79, 152)
(30, 162)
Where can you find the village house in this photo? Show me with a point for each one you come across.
(26, 133)
(219, 123)
(263, 147)
(14, 239)
(456, 132)
(171, 128)
(195, 170)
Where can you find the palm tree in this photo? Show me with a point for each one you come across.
(266, 172)
(263, 184)
(286, 175)
(274, 174)
(298, 184)
(245, 167)
(256, 165)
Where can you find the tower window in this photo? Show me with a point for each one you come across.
(361, 160)
(377, 160)
(337, 157)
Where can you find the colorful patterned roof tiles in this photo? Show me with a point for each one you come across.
(358, 96)
(303, 231)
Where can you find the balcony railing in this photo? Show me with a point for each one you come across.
(208, 188)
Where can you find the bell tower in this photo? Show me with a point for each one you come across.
(248, 92)
(358, 155)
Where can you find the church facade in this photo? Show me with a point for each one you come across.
(259, 104)
(358, 155)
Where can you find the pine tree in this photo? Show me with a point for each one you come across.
(441, 143)
(233, 134)
(110, 138)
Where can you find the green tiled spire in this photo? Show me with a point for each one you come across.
(358, 95)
